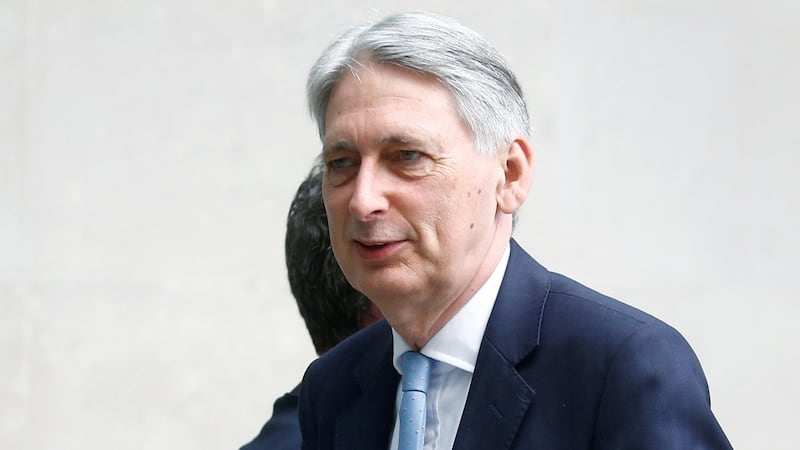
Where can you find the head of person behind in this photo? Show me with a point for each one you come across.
(425, 145)
(331, 308)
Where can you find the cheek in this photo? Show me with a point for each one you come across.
(459, 212)
(335, 206)
(478, 208)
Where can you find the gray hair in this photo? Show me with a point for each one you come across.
(486, 92)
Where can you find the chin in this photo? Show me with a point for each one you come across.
(376, 287)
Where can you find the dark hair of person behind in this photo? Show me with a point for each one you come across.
(330, 307)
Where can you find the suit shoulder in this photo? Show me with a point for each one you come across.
(576, 314)
(569, 314)
(568, 293)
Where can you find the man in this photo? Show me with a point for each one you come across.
(330, 307)
(425, 141)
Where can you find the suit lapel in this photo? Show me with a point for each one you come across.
(369, 420)
(499, 397)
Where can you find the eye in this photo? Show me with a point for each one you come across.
(409, 155)
(341, 168)
(340, 163)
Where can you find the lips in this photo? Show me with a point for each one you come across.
(372, 242)
(376, 250)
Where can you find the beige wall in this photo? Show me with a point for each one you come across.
(149, 150)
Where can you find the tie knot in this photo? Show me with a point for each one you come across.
(416, 369)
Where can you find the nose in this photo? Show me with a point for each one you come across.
(368, 200)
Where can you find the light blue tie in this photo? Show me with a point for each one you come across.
(416, 370)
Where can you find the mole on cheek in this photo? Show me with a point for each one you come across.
(472, 225)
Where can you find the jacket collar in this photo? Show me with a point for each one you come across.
(499, 397)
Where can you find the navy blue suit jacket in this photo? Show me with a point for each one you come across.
(282, 430)
(560, 367)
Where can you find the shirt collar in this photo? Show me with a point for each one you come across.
(459, 340)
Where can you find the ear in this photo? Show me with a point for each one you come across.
(517, 164)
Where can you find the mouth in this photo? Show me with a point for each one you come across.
(376, 250)
(372, 243)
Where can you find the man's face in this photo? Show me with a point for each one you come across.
(412, 206)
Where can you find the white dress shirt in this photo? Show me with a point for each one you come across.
(455, 351)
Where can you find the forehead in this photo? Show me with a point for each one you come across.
(394, 103)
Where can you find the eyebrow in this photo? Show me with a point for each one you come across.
(338, 145)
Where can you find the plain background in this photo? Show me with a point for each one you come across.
(149, 151)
